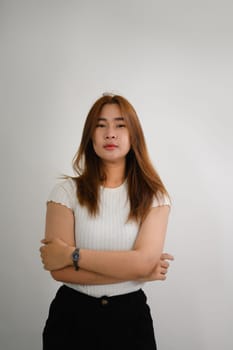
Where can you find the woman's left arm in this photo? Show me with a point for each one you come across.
(131, 264)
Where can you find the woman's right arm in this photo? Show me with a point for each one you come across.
(69, 275)
(60, 224)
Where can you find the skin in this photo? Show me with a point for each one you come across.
(145, 261)
(111, 130)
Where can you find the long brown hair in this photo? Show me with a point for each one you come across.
(142, 179)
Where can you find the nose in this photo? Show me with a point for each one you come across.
(109, 137)
(110, 134)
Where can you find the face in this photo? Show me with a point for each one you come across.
(111, 139)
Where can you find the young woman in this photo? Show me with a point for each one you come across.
(104, 237)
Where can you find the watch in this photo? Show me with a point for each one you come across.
(75, 258)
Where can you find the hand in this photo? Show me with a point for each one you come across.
(160, 270)
(55, 254)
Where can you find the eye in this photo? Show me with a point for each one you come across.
(100, 125)
(121, 125)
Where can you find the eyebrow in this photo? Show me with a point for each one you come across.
(105, 119)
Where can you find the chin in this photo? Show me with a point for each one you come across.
(113, 160)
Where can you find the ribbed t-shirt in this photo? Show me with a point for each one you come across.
(109, 230)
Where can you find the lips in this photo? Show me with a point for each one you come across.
(110, 146)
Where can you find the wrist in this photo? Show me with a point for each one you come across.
(69, 258)
(75, 258)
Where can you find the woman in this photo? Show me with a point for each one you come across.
(105, 232)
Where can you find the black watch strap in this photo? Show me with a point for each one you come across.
(75, 258)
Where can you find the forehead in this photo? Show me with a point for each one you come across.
(110, 111)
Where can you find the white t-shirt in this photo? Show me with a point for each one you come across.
(107, 231)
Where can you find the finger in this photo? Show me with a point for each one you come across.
(165, 264)
(46, 267)
(162, 277)
(166, 256)
(45, 241)
(42, 248)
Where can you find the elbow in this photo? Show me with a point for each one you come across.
(145, 267)
(55, 276)
(144, 271)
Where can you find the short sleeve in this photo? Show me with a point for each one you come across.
(64, 193)
(160, 200)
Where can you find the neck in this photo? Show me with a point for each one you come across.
(115, 175)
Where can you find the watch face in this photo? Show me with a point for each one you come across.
(75, 256)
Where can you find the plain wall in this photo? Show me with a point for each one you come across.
(173, 61)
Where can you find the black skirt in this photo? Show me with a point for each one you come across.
(78, 321)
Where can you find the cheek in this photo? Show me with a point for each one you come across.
(127, 142)
(127, 137)
(95, 138)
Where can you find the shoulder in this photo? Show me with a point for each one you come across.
(161, 199)
(64, 192)
(67, 185)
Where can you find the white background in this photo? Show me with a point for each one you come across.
(173, 61)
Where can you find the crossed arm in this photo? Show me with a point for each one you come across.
(144, 262)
